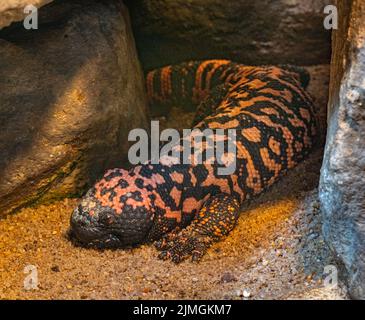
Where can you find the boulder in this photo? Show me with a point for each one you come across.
(70, 92)
(251, 32)
(13, 10)
(342, 185)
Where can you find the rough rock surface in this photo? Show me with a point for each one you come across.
(343, 173)
(13, 10)
(252, 32)
(70, 92)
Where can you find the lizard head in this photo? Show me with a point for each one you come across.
(116, 212)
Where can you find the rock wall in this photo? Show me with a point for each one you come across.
(342, 191)
(13, 10)
(70, 92)
(252, 32)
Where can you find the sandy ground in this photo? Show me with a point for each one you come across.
(275, 252)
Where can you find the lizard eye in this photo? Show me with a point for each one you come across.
(107, 218)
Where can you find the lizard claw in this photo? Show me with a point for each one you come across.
(181, 246)
(215, 220)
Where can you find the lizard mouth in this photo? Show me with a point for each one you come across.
(91, 239)
(105, 230)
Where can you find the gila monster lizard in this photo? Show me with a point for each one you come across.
(185, 208)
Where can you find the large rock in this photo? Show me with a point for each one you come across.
(70, 92)
(342, 185)
(13, 10)
(252, 32)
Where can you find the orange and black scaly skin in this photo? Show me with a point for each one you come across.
(186, 207)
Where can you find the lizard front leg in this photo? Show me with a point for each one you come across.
(216, 219)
